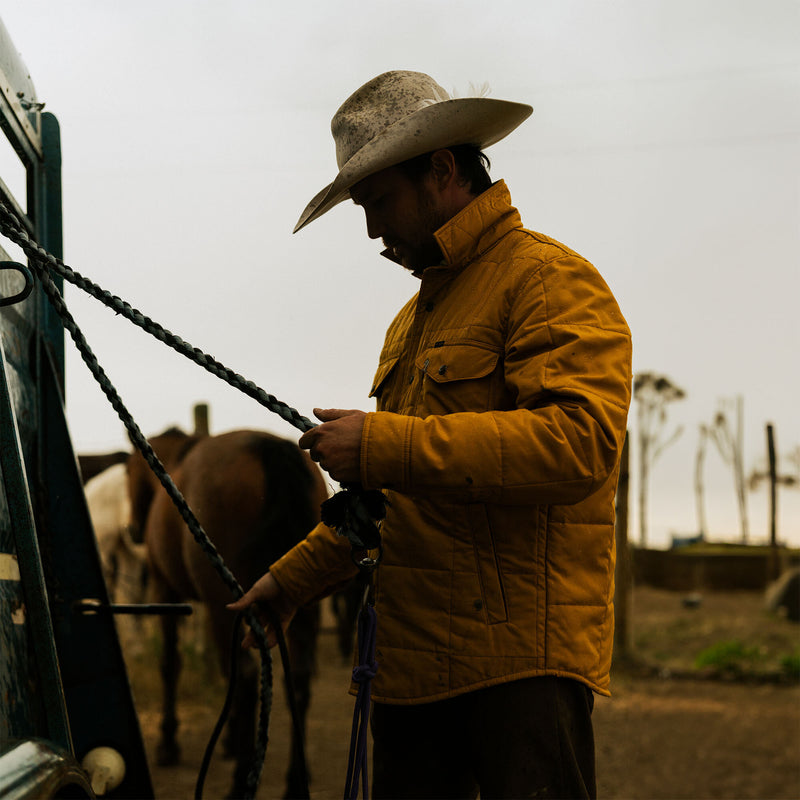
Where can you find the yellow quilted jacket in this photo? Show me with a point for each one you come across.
(502, 391)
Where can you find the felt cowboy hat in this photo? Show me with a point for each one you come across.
(400, 115)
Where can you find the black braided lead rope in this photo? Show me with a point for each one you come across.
(354, 512)
(11, 227)
(200, 536)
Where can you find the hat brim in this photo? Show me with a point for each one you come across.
(481, 121)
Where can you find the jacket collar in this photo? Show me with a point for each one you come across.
(476, 228)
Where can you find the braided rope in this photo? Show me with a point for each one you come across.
(40, 261)
(11, 227)
(353, 512)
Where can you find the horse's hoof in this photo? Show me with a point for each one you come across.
(168, 755)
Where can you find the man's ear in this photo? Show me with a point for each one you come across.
(443, 168)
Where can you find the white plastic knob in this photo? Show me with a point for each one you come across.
(105, 768)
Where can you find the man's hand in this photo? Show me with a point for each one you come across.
(336, 444)
(265, 591)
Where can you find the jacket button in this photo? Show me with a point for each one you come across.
(429, 306)
(478, 605)
(443, 369)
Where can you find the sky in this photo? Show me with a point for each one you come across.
(664, 147)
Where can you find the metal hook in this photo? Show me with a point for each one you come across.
(26, 274)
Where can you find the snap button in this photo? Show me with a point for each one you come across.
(429, 306)
(443, 369)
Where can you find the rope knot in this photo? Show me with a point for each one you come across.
(364, 673)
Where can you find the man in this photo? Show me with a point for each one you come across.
(502, 391)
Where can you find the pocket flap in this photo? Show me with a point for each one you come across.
(457, 362)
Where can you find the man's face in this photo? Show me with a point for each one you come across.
(404, 213)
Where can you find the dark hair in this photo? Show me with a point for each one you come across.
(472, 164)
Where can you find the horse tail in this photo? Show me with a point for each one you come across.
(288, 512)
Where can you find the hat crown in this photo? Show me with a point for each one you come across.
(379, 104)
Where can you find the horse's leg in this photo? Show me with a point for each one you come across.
(168, 752)
(242, 722)
(302, 644)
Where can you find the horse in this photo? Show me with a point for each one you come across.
(121, 559)
(256, 495)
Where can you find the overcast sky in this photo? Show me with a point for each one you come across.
(664, 146)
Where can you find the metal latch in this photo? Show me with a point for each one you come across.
(92, 605)
(13, 266)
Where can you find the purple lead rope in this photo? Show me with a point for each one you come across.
(362, 675)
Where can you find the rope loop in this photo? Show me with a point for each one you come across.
(357, 763)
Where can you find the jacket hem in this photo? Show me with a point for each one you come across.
(485, 684)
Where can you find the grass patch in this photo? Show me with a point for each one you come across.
(790, 665)
(731, 658)
(728, 635)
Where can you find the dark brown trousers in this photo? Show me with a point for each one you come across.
(527, 738)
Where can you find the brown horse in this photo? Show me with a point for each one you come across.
(256, 495)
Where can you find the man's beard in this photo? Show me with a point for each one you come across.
(424, 251)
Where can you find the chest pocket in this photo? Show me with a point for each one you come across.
(459, 377)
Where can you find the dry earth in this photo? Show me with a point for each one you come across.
(662, 734)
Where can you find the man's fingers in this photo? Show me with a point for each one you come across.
(242, 604)
(329, 414)
(267, 593)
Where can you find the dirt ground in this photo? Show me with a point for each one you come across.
(662, 734)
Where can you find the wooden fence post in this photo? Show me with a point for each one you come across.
(623, 630)
(201, 427)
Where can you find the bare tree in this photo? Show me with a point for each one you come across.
(731, 447)
(699, 484)
(652, 393)
(623, 573)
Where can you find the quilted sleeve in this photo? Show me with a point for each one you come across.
(316, 567)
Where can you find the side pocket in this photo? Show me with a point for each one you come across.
(491, 580)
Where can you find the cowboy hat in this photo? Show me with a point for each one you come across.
(400, 115)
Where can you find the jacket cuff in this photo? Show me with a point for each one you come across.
(386, 450)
